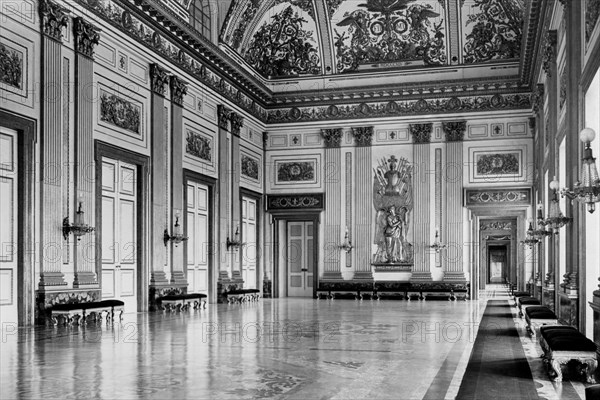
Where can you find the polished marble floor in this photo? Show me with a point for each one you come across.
(282, 348)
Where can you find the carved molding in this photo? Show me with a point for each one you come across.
(86, 37)
(493, 197)
(53, 18)
(223, 116)
(537, 97)
(495, 226)
(313, 201)
(421, 133)
(333, 137)
(549, 55)
(363, 135)
(159, 78)
(178, 90)
(237, 121)
(454, 130)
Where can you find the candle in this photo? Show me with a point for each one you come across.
(79, 213)
(177, 228)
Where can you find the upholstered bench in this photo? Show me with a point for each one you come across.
(182, 301)
(562, 344)
(525, 302)
(516, 296)
(242, 295)
(78, 312)
(537, 316)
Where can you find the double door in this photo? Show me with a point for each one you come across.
(119, 232)
(249, 249)
(300, 258)
(197, 222)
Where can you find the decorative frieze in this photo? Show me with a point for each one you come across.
(178, 90)
(549, 55)
(159, 79)
(363, 136)
(495, 197)
(237, 121)
(223, 116)
(495, 226)
(53, 18)
(421, 133)
(312, 201)
(86, 37)
(333, 137)
(120, 112)
(455, 131)
(198, 146)
(11, 66)
(249, 167)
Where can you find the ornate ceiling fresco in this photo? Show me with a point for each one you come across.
(292, 38)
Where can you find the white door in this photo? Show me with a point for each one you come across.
(119, 232)
(198, 238)
(249, 239)
(300, 255)
(8, 227)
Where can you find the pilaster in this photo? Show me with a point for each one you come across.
(159, 78)
(363, 137)
(421, 134)
(86, 37)
(223, 196)
(236, 122)
(453, 254)
(178, 90)
(332, 237)
(53, 19)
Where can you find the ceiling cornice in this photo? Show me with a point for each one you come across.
(531, 39)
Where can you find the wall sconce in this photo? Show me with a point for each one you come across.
(587, 190)
(177, 236)
(531, 239)
(437, 245)
(540, 233)
(346, 244)
(236, 240)
(79, 227)
(556, 219)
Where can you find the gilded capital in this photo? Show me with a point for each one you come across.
(53, 18)
(86, 37)
(178, 90)
(223, 116)
(363, 136)
(236, 121)
(455, 131)
(333, 137)
(421, 133)
(537, 97)
(159, 78)
(549, 56)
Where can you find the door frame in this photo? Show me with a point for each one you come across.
(258, 198)
(505, 244)
(26, 140)
(103, 149)
(189, 175)
(302, 215)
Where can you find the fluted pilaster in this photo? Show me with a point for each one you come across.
(333, 214)
(363, 237)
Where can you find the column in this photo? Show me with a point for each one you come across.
(53, 19)
(453, 254)
(158, 251)
(222, 197)
(178, 90)
(236, 122)
(86, 37)
(363, 194)
(333, 204)
(421, 134)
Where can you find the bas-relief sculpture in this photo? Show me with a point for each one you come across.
(393, 203)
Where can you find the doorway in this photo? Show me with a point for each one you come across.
(249, 238)
(497, 264)
(300, 258)
(198, 222)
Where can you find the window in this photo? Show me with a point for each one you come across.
(200, 17)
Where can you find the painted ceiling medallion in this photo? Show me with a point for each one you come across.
(283, 47)
(396, 32)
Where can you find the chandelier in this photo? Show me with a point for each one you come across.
(587, 189)
(531, 239)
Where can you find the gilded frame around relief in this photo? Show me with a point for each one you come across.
(501, 165)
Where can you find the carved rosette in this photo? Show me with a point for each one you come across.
(237, 121)
(53, 18)
(159, 79)
(223, 115)
(363, 135)
(421, 133)
(86, 37)
(537, 97)
(333, 137)
(549, 55)
(455, 131)
(178, 90)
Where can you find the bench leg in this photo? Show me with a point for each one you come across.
(588, 369)
(556, 367)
